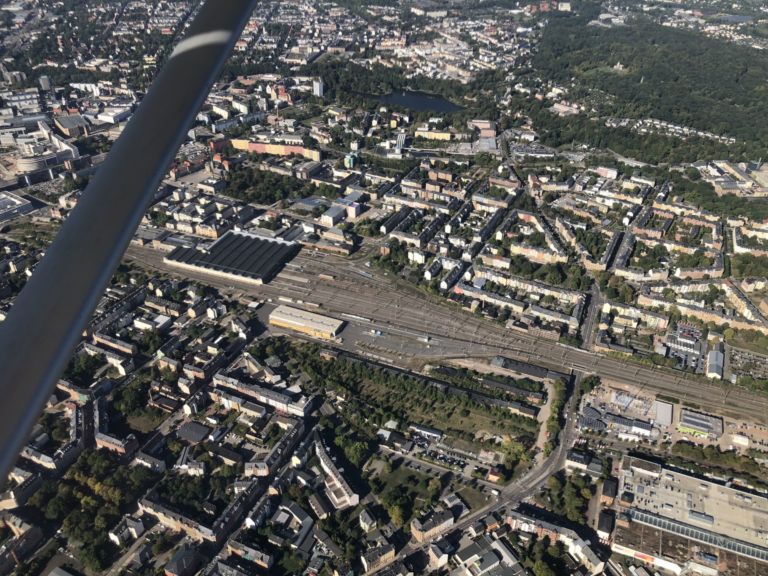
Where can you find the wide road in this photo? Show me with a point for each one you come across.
(398, 307)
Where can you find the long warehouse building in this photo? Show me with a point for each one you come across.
(315, 325)
(239, 256)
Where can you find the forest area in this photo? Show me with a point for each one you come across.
(670, 74)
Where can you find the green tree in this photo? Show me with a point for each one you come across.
(397, 515)
(541, 568)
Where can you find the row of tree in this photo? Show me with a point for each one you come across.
(554, 422)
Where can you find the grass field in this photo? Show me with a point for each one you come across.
(146, 422)
(407, 491)
(473, 498)
(402, 476)
(739, 340)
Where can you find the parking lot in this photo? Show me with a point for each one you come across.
(432, 457)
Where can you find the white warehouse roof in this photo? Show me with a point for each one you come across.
(303, 320)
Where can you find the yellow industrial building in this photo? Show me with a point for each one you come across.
(315, 325)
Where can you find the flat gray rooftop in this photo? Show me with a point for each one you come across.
(683, 502)
(12, 205)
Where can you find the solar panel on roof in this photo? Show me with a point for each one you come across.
(184, 255)
(239, 254)
(256, 265)
(242, 256)
(737, 546)
(591, 412)
(224, 258)
(265, 252)
(228, 259)
(265, 259)
(222, 246)
(261, 260)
